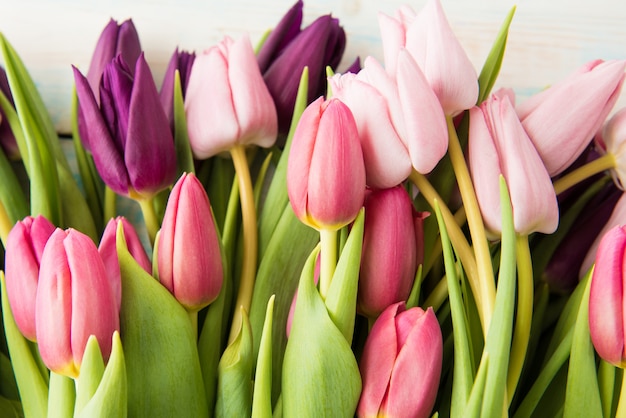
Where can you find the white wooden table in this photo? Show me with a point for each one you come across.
(548, 39)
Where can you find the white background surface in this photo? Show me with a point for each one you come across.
(548, 39)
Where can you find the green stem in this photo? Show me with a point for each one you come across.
(621, 406)
(5, 225)
(606, 162)
(250, 238)
(110, 207)
(523, 318)
(150, 217)
(61, 396)
(328, 259)
(487, 287)
(438, 295)
(193, 319)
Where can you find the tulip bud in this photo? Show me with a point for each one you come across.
(430, 40)
(227, 102)
(606, 298)
(498, 145)
(25, 244)
(74, 301)
(563, 119)
(108, 252)
(325, 171)
(401, 364)
(189, 255)
(7, 139)
(182, 62)
(288, 50)
(390, 250)
(129, 135)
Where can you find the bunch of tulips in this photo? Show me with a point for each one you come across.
(268, 233)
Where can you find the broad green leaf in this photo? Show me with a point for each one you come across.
(91, 371)
(262, 395)
(184, 156)
(12, 197)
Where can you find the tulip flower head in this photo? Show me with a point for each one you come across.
(498, 145)
(325, 171)
(24, 248)
(129, 136)
(181, 61)
(74, 301)
(428, 37)
(227, 102)
(189, 255)
(612, 139)
(606, 298)
(401, 364)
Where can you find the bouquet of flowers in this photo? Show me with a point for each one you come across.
(266, 234)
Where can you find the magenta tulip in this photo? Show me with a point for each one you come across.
(430, 40)
(188, 253)
(74, 301)
(325, 170)
(401, 364)
(606, 298)
(498, 145)
(227, 102)
(108, 252)
(24, 248)
(563, 119)
(390, 250)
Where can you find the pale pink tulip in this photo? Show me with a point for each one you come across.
(612, 140)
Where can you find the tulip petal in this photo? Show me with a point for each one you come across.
(286, 30)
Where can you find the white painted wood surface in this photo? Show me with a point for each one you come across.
(548, 39)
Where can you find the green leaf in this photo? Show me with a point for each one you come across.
(31, 384)
(491, 68)
(11, 408)
(234, 393)
(159, 346)
(184, 157)
(262, 399)
(12, 197)
(320, 373)
(91, 371)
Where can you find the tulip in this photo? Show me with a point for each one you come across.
(288, 50)
(391, 250)
(498, 145)
(7, 139)
(129, 135)
(227, 102)
(24, 247)
(612, 140)
(188, 254)
(400, 121)
(563, 119)
(401, 364)
(74, 301)
(430, 40)
(325, 169)
(606, 298)
(182, 62)
(108, 252)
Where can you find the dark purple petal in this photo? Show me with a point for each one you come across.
(181, 61)
(355, 67)
(286, 30)
(115, 93)
(103, 54)
(128, 44)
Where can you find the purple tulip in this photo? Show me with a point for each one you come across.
(74, 301)
(188, 254)
(288, 50)
(129, 135)
(181, 61)
(108, 252)
(325, 171)
(24, 248)
(401, 364)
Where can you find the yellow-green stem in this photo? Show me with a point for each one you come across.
(524, 314)
(250, 238)
(621, 406)
(606, 162)
(150, 217)
(193, 319)
(459, 242)
(476, 226)
(438, 295)
(5, 225)
(328, 259)
(110, 205)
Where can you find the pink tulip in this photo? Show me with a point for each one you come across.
(401, 364)
(24, 247)
(74, 301)
(606, 298)
(227, 102)
(430, 40)
(325, 171)
(108, 252)
(390, 250)
(400, 121)
(498, 145)
(188, 254)
(563, 119)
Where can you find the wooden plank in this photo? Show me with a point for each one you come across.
(547, 41)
